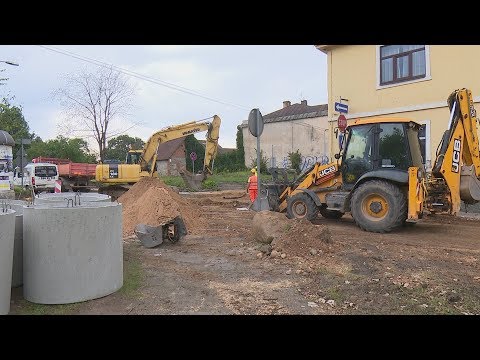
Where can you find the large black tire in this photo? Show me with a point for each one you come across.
(379, 206)
(330, 214)
(301, 206)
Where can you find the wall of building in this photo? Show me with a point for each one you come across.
(309, 136)
(353, 74)
(172, 166)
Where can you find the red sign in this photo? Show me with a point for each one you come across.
(342, 122)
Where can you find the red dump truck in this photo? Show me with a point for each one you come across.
(74, 176)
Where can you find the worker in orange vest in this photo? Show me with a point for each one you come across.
(252, 186)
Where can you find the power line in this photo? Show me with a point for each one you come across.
(141, 76)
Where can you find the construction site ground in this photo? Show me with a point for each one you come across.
(432, 267)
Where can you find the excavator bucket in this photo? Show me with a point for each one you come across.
(193, 181)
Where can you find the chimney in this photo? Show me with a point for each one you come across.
(304, 102)
(286, 104)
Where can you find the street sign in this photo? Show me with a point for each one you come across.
(193, 155)
(255, 122)
(341, 137)
(342, 122)
(342, 108)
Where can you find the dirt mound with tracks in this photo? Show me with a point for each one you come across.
(295, 237)
(150, 201)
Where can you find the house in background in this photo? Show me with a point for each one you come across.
(294, 127)
(171, 157)
(412, 81)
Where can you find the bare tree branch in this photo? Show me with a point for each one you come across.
(91, 102)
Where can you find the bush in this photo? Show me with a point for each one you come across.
(263, 162)
(22, 192)
(296, 160)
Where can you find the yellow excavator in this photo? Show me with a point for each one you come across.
(379, 177)
(115, 179)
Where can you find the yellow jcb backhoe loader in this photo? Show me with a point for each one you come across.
(379, 177)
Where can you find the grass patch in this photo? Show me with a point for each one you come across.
(29, 308)
(239, 177)
(173, 181)
(133, 277)
(210, 184)
(334, 293)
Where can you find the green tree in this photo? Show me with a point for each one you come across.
(75, 149)
(295, 160)
(118, 146)
(264, 160)
(240, 151)
(13, 122)
(193, 145)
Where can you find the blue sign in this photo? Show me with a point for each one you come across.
(341, 137)
(342, 108)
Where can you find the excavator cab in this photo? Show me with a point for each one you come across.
(133, 156)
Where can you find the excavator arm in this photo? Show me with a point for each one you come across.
(458, 160)
(149, 155)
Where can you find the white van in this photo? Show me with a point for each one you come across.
(40, 176)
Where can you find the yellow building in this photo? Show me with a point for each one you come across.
(400, 80)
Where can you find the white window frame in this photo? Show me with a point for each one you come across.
(379, 65)
(428, 150)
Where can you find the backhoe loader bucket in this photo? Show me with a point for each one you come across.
(151, 236)
(469, 185)
(193, 181)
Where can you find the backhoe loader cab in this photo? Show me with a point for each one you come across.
(383, 148)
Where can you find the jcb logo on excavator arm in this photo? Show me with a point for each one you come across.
(326, 171)
(457, 145)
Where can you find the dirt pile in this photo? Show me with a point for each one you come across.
(295, 237)
(151, 202)
(302, 238)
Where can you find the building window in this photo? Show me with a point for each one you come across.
(400, 63)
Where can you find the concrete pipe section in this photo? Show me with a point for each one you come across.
(72, 254)
(7, 233)
(47, 198)
(17, 270)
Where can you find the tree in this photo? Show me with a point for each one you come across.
(295, 160)
(13, 122)
(118, 146)
(74, 149)
(240, 151)
(92, 102)
(193, 145)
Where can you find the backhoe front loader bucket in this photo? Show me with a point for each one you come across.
(151, 236)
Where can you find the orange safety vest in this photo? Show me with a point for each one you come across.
(253, 185)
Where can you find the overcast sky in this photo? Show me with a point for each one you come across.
(257, 76)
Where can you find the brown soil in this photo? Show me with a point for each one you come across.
(430, 268)
(151, 202)
(302, 238)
